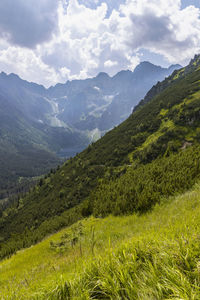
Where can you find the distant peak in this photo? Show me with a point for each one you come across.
(13, 75)
(3, 74)
(124, 74)
(175, 67)
(103, 75)
(145, 63)
(146, 66)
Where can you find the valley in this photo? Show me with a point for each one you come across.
(40, 127)
(147, 147)
(100, 150)
(134, 192)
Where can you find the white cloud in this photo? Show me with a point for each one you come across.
(162, 27)
(109, 63)
(82, 41)
(27, 64)
(88, 43)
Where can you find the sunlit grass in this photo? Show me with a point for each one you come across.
(104, 258)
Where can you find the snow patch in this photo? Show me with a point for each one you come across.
(53, 117)
(96, 88)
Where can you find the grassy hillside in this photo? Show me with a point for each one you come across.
(155, 153)
(153, 256)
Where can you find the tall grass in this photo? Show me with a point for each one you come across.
(153, 256)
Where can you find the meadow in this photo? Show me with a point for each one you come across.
(150, 256)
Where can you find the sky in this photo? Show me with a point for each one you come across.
(51, 41)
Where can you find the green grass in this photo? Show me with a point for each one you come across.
(152, 256)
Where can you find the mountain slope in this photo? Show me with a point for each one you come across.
(159, 261)
(125, 171)
(131, 257)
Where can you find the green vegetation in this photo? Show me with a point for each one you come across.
(149, 248)
(150, 256)
(17, 170)
(139, 189)
(155, 153)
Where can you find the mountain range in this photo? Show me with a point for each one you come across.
(103, 102)
(39, 125)
(111, 175)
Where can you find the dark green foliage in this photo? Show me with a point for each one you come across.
(22, 164)
(34, 235)
(141, 188)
